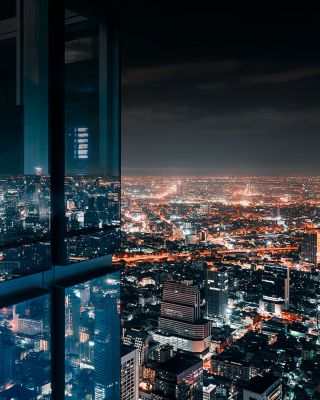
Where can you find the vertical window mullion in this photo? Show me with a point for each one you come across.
(56, 123)
(56, 119)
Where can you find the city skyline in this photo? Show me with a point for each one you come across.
(243, 255)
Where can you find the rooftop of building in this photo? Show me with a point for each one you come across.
(17, 392)
(126, 350)
(199, 322)
(260, 384)
(180, 363)
(135, 333)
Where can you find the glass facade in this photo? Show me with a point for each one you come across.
(92, 179)
(24, 161)
(92, 334)
(91, 245)
(59, 200)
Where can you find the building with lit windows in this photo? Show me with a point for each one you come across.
(139, 340)
(310, 247)
(181, 377)
(209, 392)
(180, 324)
(129, 373)
(275, 289)
(216, 293)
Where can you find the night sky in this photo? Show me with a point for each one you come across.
(213, 93)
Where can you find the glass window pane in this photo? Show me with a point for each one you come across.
(25, 365)
(92, 339)
(92, 189)
(22, 260)
(91, 245)
(24, 181)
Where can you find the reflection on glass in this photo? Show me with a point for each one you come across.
(24, 207)
(92, 202)
(25, 350)
(23, 260)
(92, 335)
(91, 189)
(91, 245)
(24, 182)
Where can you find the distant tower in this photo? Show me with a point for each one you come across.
(310, 247)
(275, 289)
(75, 312)
(217, 292)
(247, 191)
(38, 171)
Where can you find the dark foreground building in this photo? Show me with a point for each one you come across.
(266, 387)
(59, 200)
(179, 378)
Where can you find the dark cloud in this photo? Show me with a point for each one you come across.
(211, 86)
(283, 76)
(147, 75)
(212, 94)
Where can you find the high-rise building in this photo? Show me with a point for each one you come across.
(217, 293)
(106, 344)
(139, 340)
(180, 323)
(275, 289)
(161, 353)
(179, 378)
(209, 392)
(310, 247)
(181, 301)
(75, 315)
(129, 373)
(7, 356)
(266, 387)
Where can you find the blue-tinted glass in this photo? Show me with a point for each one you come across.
(92, 337)
(25, 259)
(25, 365)
(24, 180)
(91, 245)
(24, 206)
(91, 202)
(92, 189)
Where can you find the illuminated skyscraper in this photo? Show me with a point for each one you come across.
(140, 341)
(275, 289)
(107, 351)
(180, 322)
(310, 247)
(129, 374)
(209, 392)
(217, 293)
(7, 356)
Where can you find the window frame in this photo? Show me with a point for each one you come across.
(58, 276)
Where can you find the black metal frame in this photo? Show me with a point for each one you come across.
(55, 279)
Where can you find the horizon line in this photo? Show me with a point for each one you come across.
(218, 176)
